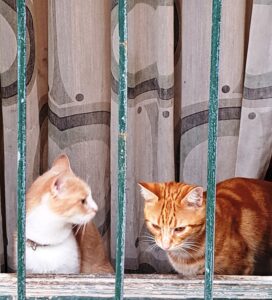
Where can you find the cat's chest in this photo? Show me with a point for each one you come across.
(190, 268)
(62, 258)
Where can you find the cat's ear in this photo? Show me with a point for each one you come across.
(58, 184)
(61, 164)
(148, 191)
(195, 196)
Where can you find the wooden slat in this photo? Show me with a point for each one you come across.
(139, 287)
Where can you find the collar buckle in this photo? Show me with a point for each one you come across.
(33, 245)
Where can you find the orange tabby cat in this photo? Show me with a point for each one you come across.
(56, 202)
(175, 215)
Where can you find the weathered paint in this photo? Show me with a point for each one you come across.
(212, 149)
(122, 150)
(21, 159)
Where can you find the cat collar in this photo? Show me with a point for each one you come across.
(34, 245)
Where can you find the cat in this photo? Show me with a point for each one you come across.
(56, 202)
(175, 215)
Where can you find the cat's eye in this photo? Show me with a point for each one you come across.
(156, 226)
(179, 229)
(83, 201)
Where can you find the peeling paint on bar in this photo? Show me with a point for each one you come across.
(212, 149)
(21, 159)
(122, 150)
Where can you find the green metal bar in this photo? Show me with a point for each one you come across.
(212, 149)
(122, 150)
(21, 159)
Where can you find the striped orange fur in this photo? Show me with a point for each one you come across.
(175, 214)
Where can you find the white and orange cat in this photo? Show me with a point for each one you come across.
(175, 215)
(56, 202)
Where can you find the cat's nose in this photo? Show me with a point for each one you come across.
(165, 245)
(91, 203)
(94, 206)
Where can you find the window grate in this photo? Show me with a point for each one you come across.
(122, 151)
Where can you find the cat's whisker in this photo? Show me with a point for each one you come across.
(186, 252)
(152, 247)
(184, 249)
(84, 228)
(152, 243)
(191, 246)
(191, 249)
(147, 242)
(148, 248)
(76, 226)
(78, 229)
(192, 242)
(147, 239)
(147, 236)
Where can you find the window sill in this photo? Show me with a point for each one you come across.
(137, 287)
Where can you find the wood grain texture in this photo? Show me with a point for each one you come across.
(140, 287)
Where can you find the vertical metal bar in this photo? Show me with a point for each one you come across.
(21, 159)
(122, 150)
(212, 148)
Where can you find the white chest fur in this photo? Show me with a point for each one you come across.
(60, 258)
(47, 228)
